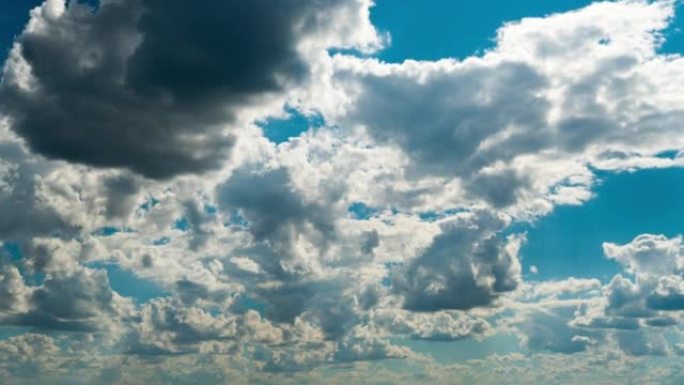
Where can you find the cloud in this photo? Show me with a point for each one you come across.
(279, 219)
(24, 212)
(15, 294)
(82, 301)
(437, 326)
(167, 327)
(638, 343)
(648, 255)
(630, 312)
(152, 85)
(486, 121)
(467, 265)
(121, 191)
(369, 349)
(657, 263)
(550, 331)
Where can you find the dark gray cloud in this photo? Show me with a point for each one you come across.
(277, 215)
(500, 189)
(121, 194)
(149, 85)
(619, 323)
(80, 300)
(167, 327)
(49, 290)
(466, 266)
(71, 302)
(190, 292)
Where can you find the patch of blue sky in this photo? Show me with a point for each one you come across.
(245, 302)
(161, 241)
(674, 34)
(13, 17)
(568, 242)
(440, 29)
(281, 130)
(346, 51)
(671, 154)
(210, 209)
(93, 3)
(236, 219)
(182, 224)
(433, 216)
(390, 267)
(148, 205)
(361, 211)
(11, 252)
(130, 285)
(12, 331)
(108, 231)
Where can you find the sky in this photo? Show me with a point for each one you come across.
(341, 192)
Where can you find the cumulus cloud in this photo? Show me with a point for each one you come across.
(151, 86)
(529, 99)
(24, 212)
(278, 218)
(630, 312)
(468, 265)
(436, 326)
(657, 264)
(648, 255)
(15, 294)
(82, 301)
(67, 296)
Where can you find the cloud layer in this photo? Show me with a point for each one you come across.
(151, 233)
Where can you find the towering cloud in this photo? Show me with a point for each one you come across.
(152, 86)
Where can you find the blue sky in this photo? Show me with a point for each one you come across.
(325, 209)
(443, 28)
(568, 242)
(14, 17)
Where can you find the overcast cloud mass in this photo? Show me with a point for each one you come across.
(153, 231)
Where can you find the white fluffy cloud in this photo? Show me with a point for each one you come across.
(638, 314)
